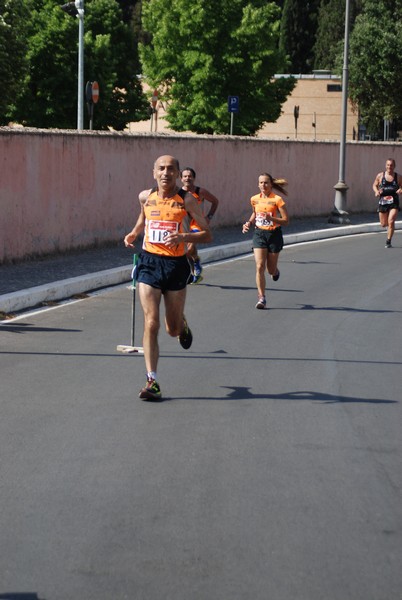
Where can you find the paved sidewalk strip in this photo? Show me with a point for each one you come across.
(30, 297)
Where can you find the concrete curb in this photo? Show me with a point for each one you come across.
(66, 288)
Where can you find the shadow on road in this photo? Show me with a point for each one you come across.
(20, 596)
(244, 393)
(25, 328)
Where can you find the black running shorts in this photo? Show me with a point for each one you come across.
(166, 273)
(271, 239)
(384, 208)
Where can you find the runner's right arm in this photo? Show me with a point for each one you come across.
(376, 185)
(139, 227)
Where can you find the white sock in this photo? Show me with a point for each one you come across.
(151, 375)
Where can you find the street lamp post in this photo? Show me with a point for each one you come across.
(76, 9)
(80, 108)
(339, 213)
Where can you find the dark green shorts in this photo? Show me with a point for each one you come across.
(165, 273)
(272, 240)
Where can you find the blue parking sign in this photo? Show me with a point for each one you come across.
(233, 104)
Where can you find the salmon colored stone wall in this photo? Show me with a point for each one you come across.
(61, 190)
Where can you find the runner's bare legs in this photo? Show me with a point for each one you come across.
(272, 263)
(393, 213)
(150, 299)
(260, 256)
(174, 309)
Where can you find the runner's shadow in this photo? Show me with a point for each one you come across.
(309, 262)
(246, 288)
(227, 287)
(346, 309)
(244, 393)
(20, 596)
(25, 328)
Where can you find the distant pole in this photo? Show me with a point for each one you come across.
(80, 109)
(296, 112)
(339, 214)
(154, 102)
(76, 9)
(233, 107)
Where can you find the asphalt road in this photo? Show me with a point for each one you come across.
(272, 470)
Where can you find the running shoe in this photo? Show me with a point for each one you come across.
(388, 244)
(262, 302)
(196, 279)
(276, 277)
(186, 337)
(197, 270)
(151, 391)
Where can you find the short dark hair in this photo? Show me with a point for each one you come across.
(187, 169)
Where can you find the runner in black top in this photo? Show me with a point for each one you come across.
(387, 185)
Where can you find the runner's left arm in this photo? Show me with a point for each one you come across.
(283, 219)
(213, 200)
(399, 190)
(376, 185)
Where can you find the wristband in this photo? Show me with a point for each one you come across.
(210, 216)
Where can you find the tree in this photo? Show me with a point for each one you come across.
(48, 96)
(329, 44)
(128, 8)
(52, 61)
(298, 32)
(330, 34)
(113, 61)
(203, 52)
(374, 63)
(14, 15)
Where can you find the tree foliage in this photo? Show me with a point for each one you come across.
(203, 52)
(374, 63)
(329, 44)
(298, 32)
(197, 54)
(48, 93)
(113, 61)
(13, 48)
(330, 34)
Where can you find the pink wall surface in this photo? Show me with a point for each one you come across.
(62, 190)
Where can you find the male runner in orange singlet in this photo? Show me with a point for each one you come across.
(163, 268)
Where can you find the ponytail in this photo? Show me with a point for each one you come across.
(277, 184)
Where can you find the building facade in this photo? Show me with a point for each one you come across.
(317, 100)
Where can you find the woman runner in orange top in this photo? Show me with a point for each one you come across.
(269, 214)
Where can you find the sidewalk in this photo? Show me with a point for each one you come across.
(27, 284)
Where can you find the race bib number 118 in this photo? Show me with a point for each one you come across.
(158, 230)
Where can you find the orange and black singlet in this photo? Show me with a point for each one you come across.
(164, 216)
(264, 208)
(196, 193)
